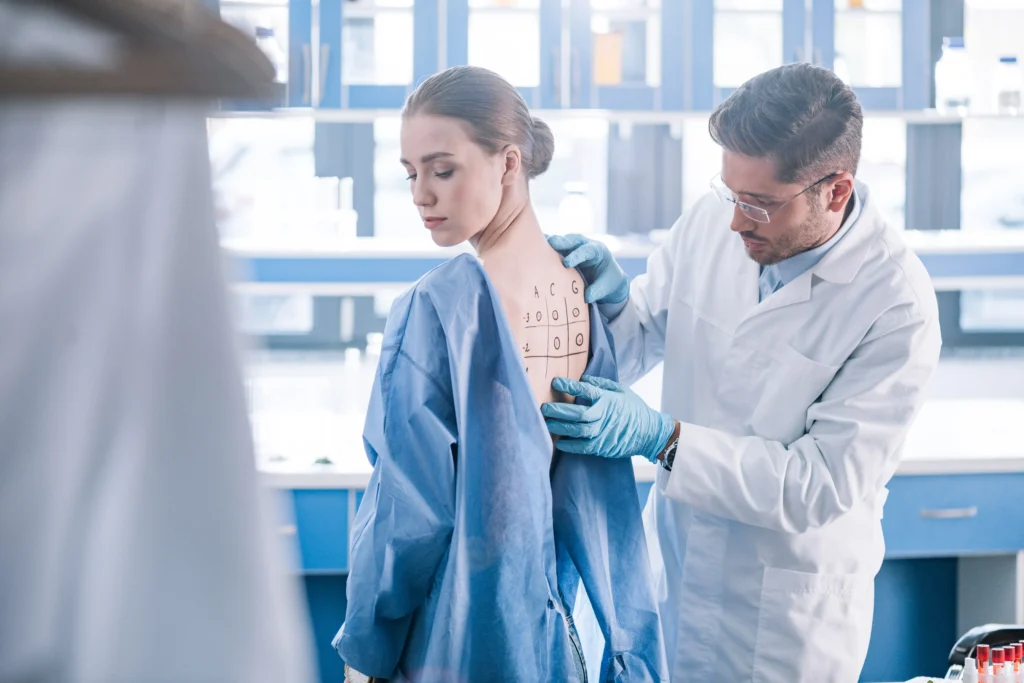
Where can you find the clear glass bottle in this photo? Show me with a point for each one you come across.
(575, 213)
(1008, 83)
(268, 43)
(953, 78)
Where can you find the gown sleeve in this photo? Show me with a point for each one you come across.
(403, 528)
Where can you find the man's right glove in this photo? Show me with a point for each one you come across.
(606, 281)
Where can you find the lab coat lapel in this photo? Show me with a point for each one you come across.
(844, 261)
(840, 265)
(797, 291)
(731, 291)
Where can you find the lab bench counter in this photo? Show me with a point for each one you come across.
(953, 525)
(958, 491)
(950, 437)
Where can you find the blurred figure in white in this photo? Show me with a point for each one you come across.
(135, 544)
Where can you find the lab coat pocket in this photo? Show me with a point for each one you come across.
(792, 384)
(812, 628)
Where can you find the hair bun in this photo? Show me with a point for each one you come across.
(543, 147)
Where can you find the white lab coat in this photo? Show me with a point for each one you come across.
(135, 544)
(766, 536)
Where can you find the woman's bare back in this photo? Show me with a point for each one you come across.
(547, 314)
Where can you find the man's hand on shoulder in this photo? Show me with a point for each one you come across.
(606, 281)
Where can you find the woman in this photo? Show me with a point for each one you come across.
(475, 540)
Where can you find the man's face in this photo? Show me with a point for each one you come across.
(801, 224)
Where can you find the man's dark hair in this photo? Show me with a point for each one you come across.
(801, 116)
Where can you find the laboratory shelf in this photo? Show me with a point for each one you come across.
(956, 260)
(612, 115)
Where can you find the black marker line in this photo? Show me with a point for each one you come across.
(533, 327)
(547, 315)
(549, 356)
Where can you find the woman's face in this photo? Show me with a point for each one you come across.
(456, 185)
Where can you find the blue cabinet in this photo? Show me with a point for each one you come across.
(624, 54)
(281, 29)
(880, 47)
(948, 516)
(300, 53)
(733, 40)
(322, 519)
(370, 56)
(522, 41)
(595, 54)
(924, 516)
(603, 54)
(284, 30)
(387, 50)
(337, 54)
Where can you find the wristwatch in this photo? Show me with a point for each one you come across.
(668, 456)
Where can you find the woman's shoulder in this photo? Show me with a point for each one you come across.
(428, 304)
(448, 287)
(457, 272)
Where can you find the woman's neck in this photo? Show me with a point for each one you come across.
(514, 228)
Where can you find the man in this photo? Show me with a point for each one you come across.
(798, 333)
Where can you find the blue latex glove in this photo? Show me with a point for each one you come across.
(608, 420)
(606, 281)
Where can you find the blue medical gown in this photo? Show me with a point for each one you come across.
(472, 539)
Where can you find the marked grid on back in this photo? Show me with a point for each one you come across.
(570, 320)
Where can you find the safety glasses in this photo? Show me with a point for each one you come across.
(756, 213)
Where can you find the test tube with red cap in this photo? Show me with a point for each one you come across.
(984, 653)
(998, 660)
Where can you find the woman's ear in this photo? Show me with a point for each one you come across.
(513, 165)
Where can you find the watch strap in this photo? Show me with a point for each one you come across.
(668, 456)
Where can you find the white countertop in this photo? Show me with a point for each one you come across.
(951, 436)
(306, 406)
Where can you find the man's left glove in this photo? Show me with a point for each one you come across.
(607, 420)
